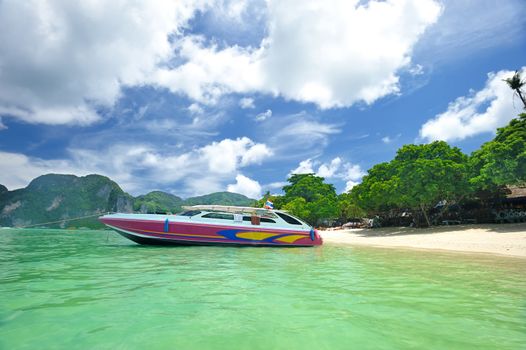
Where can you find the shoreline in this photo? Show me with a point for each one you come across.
(496, 239)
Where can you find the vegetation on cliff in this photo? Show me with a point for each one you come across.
(55, 197)
(157, 202)
(223, 198)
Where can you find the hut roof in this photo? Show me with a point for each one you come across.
(516, 192)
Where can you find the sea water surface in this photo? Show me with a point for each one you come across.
(93, 289)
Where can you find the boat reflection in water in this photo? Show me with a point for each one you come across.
(216, 225)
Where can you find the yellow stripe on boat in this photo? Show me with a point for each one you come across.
(256, 236)
(290, 238)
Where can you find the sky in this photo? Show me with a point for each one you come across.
(192, 96)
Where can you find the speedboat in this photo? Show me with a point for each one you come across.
(216, 225)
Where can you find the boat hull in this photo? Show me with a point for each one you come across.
(159, 232)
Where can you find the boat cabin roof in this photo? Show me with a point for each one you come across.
(224, 212)
(229, 209)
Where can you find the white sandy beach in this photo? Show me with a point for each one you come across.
(505, 239)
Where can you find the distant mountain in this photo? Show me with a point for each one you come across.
(162, 202)
(52, 198)
(223, 198)
(157, 202)
(55, 197)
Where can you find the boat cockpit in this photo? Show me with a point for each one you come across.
(256, 217)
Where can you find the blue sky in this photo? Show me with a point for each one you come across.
(193, 97)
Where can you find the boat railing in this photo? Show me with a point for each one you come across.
(229, 209)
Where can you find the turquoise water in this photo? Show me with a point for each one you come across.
(94, 289)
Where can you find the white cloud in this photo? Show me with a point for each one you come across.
(235, 9)
(328, 170)
(417, 69)
(386, 140)
(194, 108)
(300, 134)
(246, 102)
(199, 171)
(275, 185)
(210, 72)
(61, 61)
(305, 167)
(480, 112)
(264, 115)
(352, 175)
(336, 169)
(142, 167)
(246, 186)
(352, 172)
(343, 53)
(349, 185)
(333, 56)
(19, 170)
(255, 154)
(226, 156)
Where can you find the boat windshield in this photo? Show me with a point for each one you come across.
(289, 219)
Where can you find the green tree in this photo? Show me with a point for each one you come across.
(431, 173)
(516, 84)
(348, 208)
(298, 206)
(417, 178)
(308, 186)
(377, 192)
(324, 210)
(276, 200)
(310, 198)
(501, 161)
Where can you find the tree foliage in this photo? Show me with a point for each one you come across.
(55, 197)
(299, 207)
(157, 202)
(417, 178)
(348, 208)
(308, 186)
(501, 161)
(308, 197)
(376, 193)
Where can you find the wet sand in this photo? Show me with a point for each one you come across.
(504, 239)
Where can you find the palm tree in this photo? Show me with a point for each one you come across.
(516, 84)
